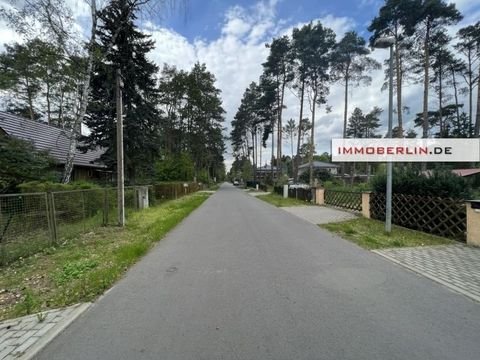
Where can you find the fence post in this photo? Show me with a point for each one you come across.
(473, 222)
(285, 191)
(142, 194)
(366, 204)
(51, 216)
(84, 214)
(105, 207)
(320, 196)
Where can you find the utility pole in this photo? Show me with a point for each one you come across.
(120, 172)
(387, 43)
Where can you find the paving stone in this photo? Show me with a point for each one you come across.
(456, 266)
(5, 352)
(21, 335)
(24, 346)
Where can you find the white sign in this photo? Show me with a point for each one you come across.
(405, 150)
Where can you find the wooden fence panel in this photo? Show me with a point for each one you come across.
(350, 200)
(435, 215)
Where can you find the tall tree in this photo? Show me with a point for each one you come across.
(441, 60)
(300, 45)
(190, 130)
(21, 76)
(279, 66)
(321, 42)
(429, 17)
(350, 64)
(469, 46)
(268, 112)
(140, 95)
(290, 130)
(389, 22)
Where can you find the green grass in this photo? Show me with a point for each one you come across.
(83, 267)
(279, 201)
(370, 234)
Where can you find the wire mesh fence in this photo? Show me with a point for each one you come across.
(32, 222)
(25, 225)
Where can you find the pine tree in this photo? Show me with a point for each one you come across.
(124, 47)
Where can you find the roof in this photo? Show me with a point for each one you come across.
(266, 168)
(459, 172)
(46, 137)
(466, 172)
(320, 165)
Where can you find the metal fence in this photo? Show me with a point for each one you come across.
(350, 200)
(435, 215)
(170, 191)
(305, 194)
(31, 222)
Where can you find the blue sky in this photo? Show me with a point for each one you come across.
(204, 18)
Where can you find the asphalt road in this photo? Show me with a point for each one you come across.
(240, 279)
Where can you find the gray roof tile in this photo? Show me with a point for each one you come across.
(46, 137)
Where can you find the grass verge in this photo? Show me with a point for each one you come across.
(370, 234)
(83, 268)
(280, 201)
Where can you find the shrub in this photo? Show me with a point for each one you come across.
(440, 182)
(22, 162)
(45, 186)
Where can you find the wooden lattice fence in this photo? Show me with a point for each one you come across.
(435, 215)
(350, 200)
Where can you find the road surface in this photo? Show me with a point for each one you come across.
(240, 279)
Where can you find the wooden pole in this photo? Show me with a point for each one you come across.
(120, 172)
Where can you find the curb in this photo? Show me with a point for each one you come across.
(49, 336)
(450, 286)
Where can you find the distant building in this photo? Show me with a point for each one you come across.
(264, 172)
(53, 140)
(319, 165)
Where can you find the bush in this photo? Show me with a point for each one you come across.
(175, 168)
(22, 162)
(441, 182)
(46, 186)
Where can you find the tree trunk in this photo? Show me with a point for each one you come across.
(279, 135)
(345, 110)
(440, 102)
(399, 90)
(83, 100)
(300, 122)
(273, 151)
(312, 137)
(49, 111)
(425, 84)
(30, 100)
(477, 121)
(425, 89)
(260, 155)
(455, 92)
(470, 93)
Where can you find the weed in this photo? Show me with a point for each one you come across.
(86, 266)
(348, 230)
(28, 305)
(41, 317)
(74, 270)
(371, 234)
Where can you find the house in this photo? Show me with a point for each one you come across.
(264, 172)
(319, 165)
(55, 141)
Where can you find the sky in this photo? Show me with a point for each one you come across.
(229, 37)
